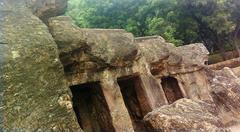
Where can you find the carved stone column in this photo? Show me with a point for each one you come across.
(153, 91)
(120, 116)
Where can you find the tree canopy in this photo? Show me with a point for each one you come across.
(216, 23)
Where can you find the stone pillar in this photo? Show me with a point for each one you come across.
(120, 116)
(153, 91)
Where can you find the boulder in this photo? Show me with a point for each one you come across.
(184, 115)
(45, 9)
(33, 92)
(67, 35)
(103, 47)
(194, 54)
(165, 58)
(154, 49)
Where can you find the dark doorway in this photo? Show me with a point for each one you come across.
(171, 89)
(134, 100)
(91, 108)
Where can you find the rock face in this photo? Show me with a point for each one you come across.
(101, 48)
(193, 115)
(185, 64)
(115, 79)
(184, 115)
(35, 94)
(166, 59)
(136, 75)
(226, 94)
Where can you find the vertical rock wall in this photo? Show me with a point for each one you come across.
(35, 93)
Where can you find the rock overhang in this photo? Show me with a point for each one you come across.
(107, 55)
(165, 58)
(100, 48)
(104, 49)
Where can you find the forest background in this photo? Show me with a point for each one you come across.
(215, 23)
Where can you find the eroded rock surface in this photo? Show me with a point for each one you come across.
(35, 94)
(99, 48)
(226, 94)
(232, 63)
(45, 9)
(167, 59)
(185, 115)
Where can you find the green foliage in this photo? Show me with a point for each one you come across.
(158, 26)
(212, 22)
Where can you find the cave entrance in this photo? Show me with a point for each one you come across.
(134, 100)
(91, 108)
(172, 89)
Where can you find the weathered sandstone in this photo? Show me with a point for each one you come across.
(225, 90)
(44, 9)
(34, 93)
(101, 48)
(55, 76)
(185, 115)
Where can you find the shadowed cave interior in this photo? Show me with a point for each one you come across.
(91, 108)
(171, 89)
(134, 100)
